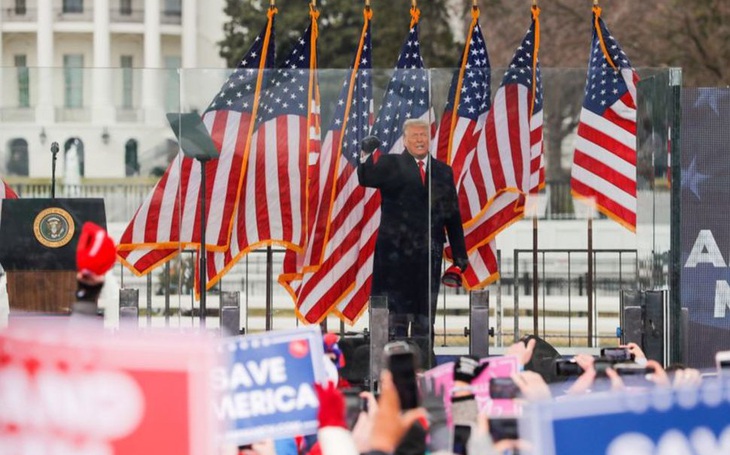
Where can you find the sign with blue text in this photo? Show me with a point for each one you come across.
(661, 421)
(267, 389)
(704, 230)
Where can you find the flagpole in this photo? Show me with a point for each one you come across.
(269, 260)
(589, 281)
(589, 278)
(535, 306)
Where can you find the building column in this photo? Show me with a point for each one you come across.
(45, 64)
(102, 106)
(152, 96)
(189, 34)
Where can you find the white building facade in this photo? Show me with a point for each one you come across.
(98, 75)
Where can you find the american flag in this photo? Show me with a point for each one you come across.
(338, 275)
(6, 192)
(169, 218)
(271, 210)
(406, 97)
(457, 141)
(604, 161)
(510, 147)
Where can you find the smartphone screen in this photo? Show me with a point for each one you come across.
(616, 354)
(501, 429)
(402, 367)
(503, 388)
(461, 438)
(352, 407)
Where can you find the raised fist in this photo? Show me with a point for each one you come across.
(369, 144)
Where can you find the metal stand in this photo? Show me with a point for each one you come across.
(54, 152)
(479, 330)
(203, 257)
(128, 308)
(196, 143)
(230, 313)
(378, 337)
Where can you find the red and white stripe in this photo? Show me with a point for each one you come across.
(506, 167)
(6, 192)
(169, 217)
(271, 207)
(604, 162)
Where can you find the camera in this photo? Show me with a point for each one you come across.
(617, 354)
(401, 361)
(504, 388)
(567, 368)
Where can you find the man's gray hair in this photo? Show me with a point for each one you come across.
(413, 122)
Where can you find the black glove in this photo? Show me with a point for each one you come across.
(369, 144)
(463, 264)
(467, 368)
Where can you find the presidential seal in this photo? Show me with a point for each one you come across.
(53, 227)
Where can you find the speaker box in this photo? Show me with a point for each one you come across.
(356, 349)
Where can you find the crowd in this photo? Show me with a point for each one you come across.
(431, 420)
(383, 427)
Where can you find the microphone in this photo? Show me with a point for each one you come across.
(54, 152)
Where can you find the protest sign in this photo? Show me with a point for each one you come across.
(267, 389)
(78, 390)
(660, 421)
(499, 367)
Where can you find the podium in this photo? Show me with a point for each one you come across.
(38, 239)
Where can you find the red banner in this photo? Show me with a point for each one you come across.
(70, 390)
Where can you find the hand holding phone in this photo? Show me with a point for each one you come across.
(401, 362)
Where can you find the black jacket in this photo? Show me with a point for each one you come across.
(408, 209)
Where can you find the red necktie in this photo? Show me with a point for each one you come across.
(423, 171)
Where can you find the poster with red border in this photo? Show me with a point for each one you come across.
(81, 390)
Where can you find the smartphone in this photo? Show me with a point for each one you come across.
(461, 438)
(401, 362)
(722, 361)
(630, 370)
(567, 367)
(601, 365)
(616, 354)
(363, 404)
(352, 406)
(501, 429)
(503, 388)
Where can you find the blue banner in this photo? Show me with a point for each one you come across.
(661, 421)
(267, 390)
(705, 231)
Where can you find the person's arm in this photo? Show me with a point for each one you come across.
(375, 172)
(333, 436)
(389, 424)
(454, 229)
